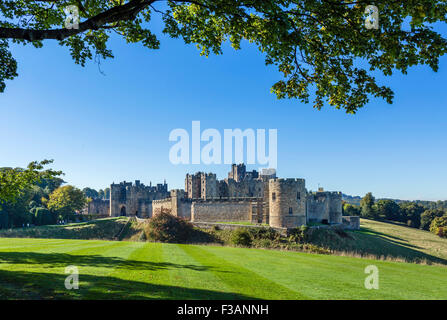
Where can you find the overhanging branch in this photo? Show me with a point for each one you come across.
(124, 12)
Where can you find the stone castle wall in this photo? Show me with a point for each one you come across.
(243, 196)
(161, 205)
(176, 204)
(324, 207)
(128, 199)
(99, 206)
(218, 211)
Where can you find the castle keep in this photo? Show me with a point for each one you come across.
(257, 197)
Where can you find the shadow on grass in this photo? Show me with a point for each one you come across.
(370, 242)
(368, 230)
(33, 285)
(57, 260)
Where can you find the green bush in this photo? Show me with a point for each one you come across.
(241, 237)
(264, 233)
(439, 226)
(165, 227)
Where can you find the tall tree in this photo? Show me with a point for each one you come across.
(15, 181)
(323, 49)
(107, 193)
(367, 206)
(388, 209)
(66, 200)
(90, 193)
(411, 213)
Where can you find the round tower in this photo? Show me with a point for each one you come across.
(287, 203)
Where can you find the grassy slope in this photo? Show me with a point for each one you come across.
(34, 268)
(102, 229)
(411, 238)
(375, 238)
(388, 240)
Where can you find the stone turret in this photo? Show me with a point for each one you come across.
(287, 203)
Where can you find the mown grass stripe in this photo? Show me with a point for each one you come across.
(235, 276)
(188, 272)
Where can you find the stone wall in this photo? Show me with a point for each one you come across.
(287, 203)
(351, 222)
(128, 199)
(176, 204)
(161, 205)
(216, 211)
(324, 207)
(99, 206)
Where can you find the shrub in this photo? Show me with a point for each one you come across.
(165, 227)
(241, 237)
(439, 226)
(264, 233)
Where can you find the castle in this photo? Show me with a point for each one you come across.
(244, 196)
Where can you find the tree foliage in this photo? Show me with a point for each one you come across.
(412, 212)
(322, 48)
(90, 193)
(66, 200)
(351, 210)
(15, 181)
(367, 206)
(388, 209)
(429, 215)
(439, 226)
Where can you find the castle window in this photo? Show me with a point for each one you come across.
(273, 196)
(298, 195)
(290, 211)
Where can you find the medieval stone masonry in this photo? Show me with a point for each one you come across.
(257, 197)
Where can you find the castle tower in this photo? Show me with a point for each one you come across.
(237, 172)
(209, 186)
(193, 185)
(176, 197)
(287, 203)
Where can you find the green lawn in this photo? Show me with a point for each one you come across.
(34, 268)
(386, 240)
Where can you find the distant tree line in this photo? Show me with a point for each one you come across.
(35, 196)
(426, 215)
(100, 194)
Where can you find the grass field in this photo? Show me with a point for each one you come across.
(34, 269)
(387, 240)
(407, 240)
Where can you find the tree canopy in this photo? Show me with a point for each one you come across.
(15, 181)
(66, 200)
(322, 48)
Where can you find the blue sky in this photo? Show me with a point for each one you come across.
(104, 128)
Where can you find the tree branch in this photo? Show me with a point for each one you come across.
(124, 12)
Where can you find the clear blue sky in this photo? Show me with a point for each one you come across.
(107, 128)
